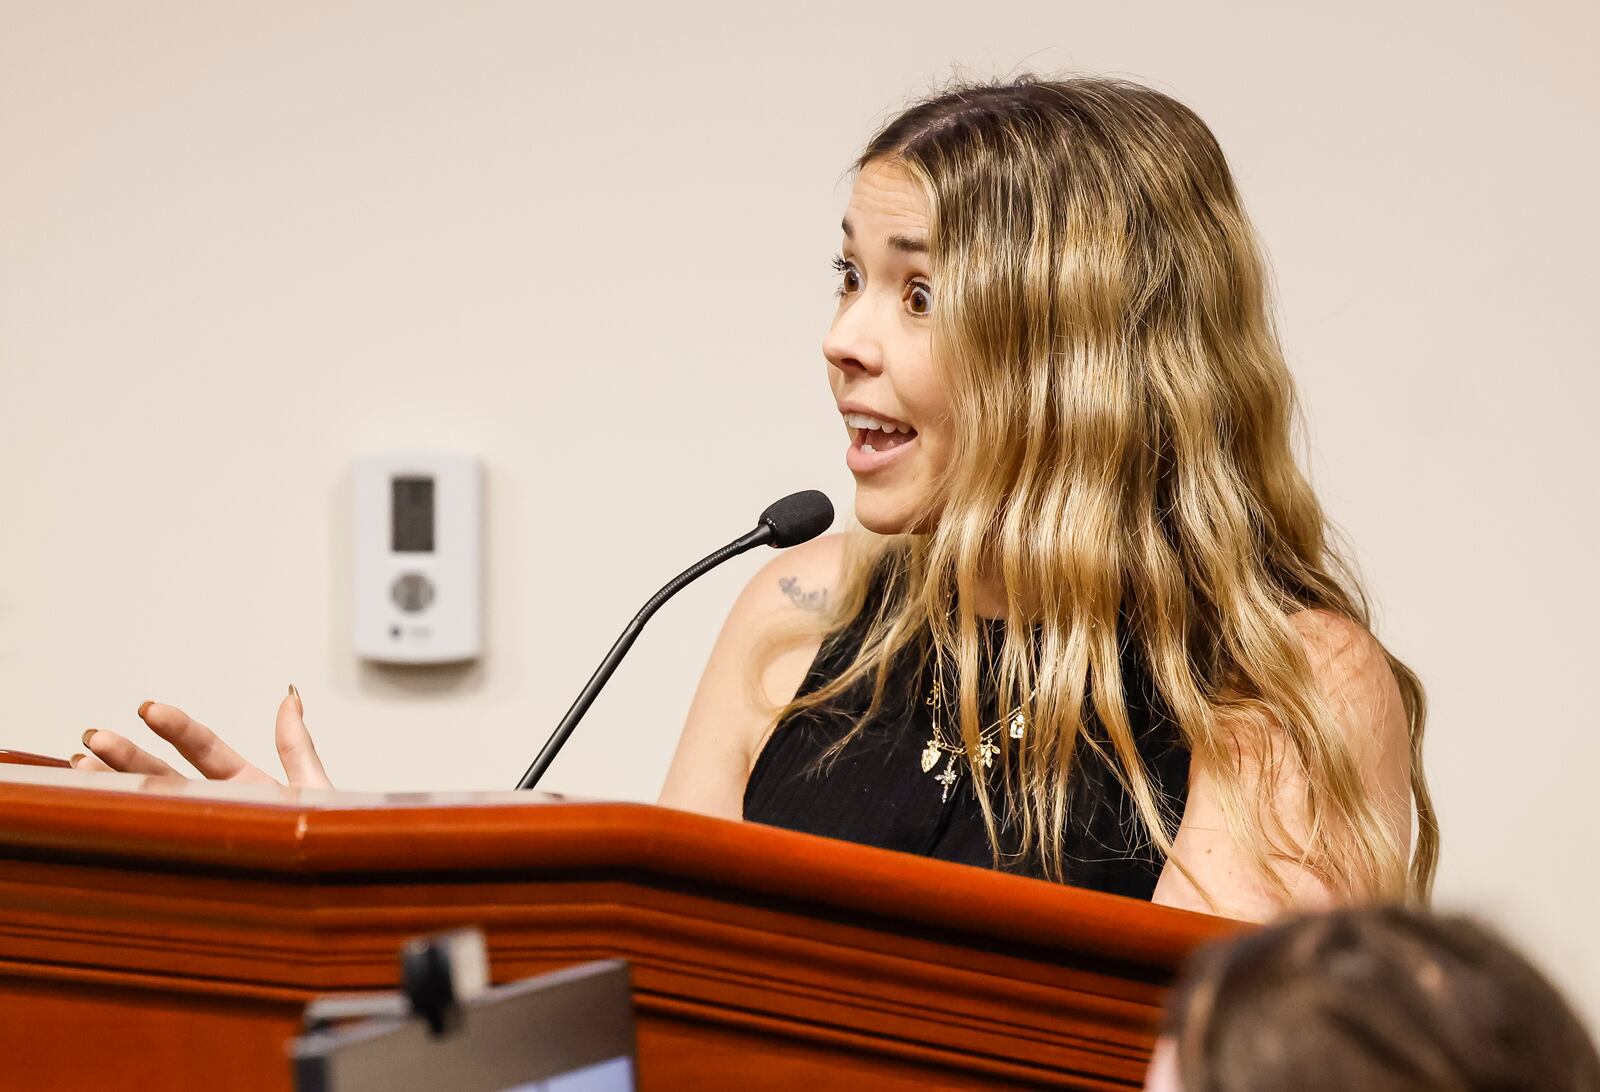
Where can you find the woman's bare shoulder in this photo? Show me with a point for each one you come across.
(727, 719)
(1351, 670)
(803, 576)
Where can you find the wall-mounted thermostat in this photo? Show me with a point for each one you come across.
(418, 558)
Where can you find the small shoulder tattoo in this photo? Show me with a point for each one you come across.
(805, 600)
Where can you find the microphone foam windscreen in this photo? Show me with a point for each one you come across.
(798, 518)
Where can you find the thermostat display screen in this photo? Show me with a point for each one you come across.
(411, 505)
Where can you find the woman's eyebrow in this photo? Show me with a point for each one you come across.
(897, 242)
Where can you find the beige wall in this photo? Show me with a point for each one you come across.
(242, 243)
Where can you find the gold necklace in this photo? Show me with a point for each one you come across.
(987, 748)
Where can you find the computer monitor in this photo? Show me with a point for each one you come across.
(567, 1031)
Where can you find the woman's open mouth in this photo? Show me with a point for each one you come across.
(875, 442)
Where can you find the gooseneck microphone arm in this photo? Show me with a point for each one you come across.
(795, 519)
(558, 738)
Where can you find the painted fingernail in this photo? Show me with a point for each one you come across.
(73, 761)
(143, 707)
(298, 704)
(86, 736)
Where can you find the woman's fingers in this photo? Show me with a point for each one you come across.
(118, 753)
(295, 748)
(89, 762)
(199, 744)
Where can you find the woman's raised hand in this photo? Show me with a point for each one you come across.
(205, 749)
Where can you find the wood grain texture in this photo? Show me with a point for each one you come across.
(761, 958)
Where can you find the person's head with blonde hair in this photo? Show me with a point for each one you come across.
(1098, 439)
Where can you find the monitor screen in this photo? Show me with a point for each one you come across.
(568, 1031)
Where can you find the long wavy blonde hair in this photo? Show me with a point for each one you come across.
(1123, 418)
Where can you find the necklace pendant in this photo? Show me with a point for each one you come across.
(930, 756)
(947, 778)
(1019, 724)
(986, 753)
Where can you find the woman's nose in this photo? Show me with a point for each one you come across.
(850, 347)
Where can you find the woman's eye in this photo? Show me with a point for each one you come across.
(850, 279)
(921, 298)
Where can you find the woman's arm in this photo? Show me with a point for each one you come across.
(1357, 685)
(726, 725)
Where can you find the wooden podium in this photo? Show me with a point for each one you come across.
(166, 934)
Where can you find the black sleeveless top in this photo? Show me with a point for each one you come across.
(876, 791)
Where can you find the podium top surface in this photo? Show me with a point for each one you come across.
(134, 822)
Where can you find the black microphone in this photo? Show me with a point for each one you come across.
(797, 518)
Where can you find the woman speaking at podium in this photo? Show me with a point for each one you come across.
(1096, 629)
